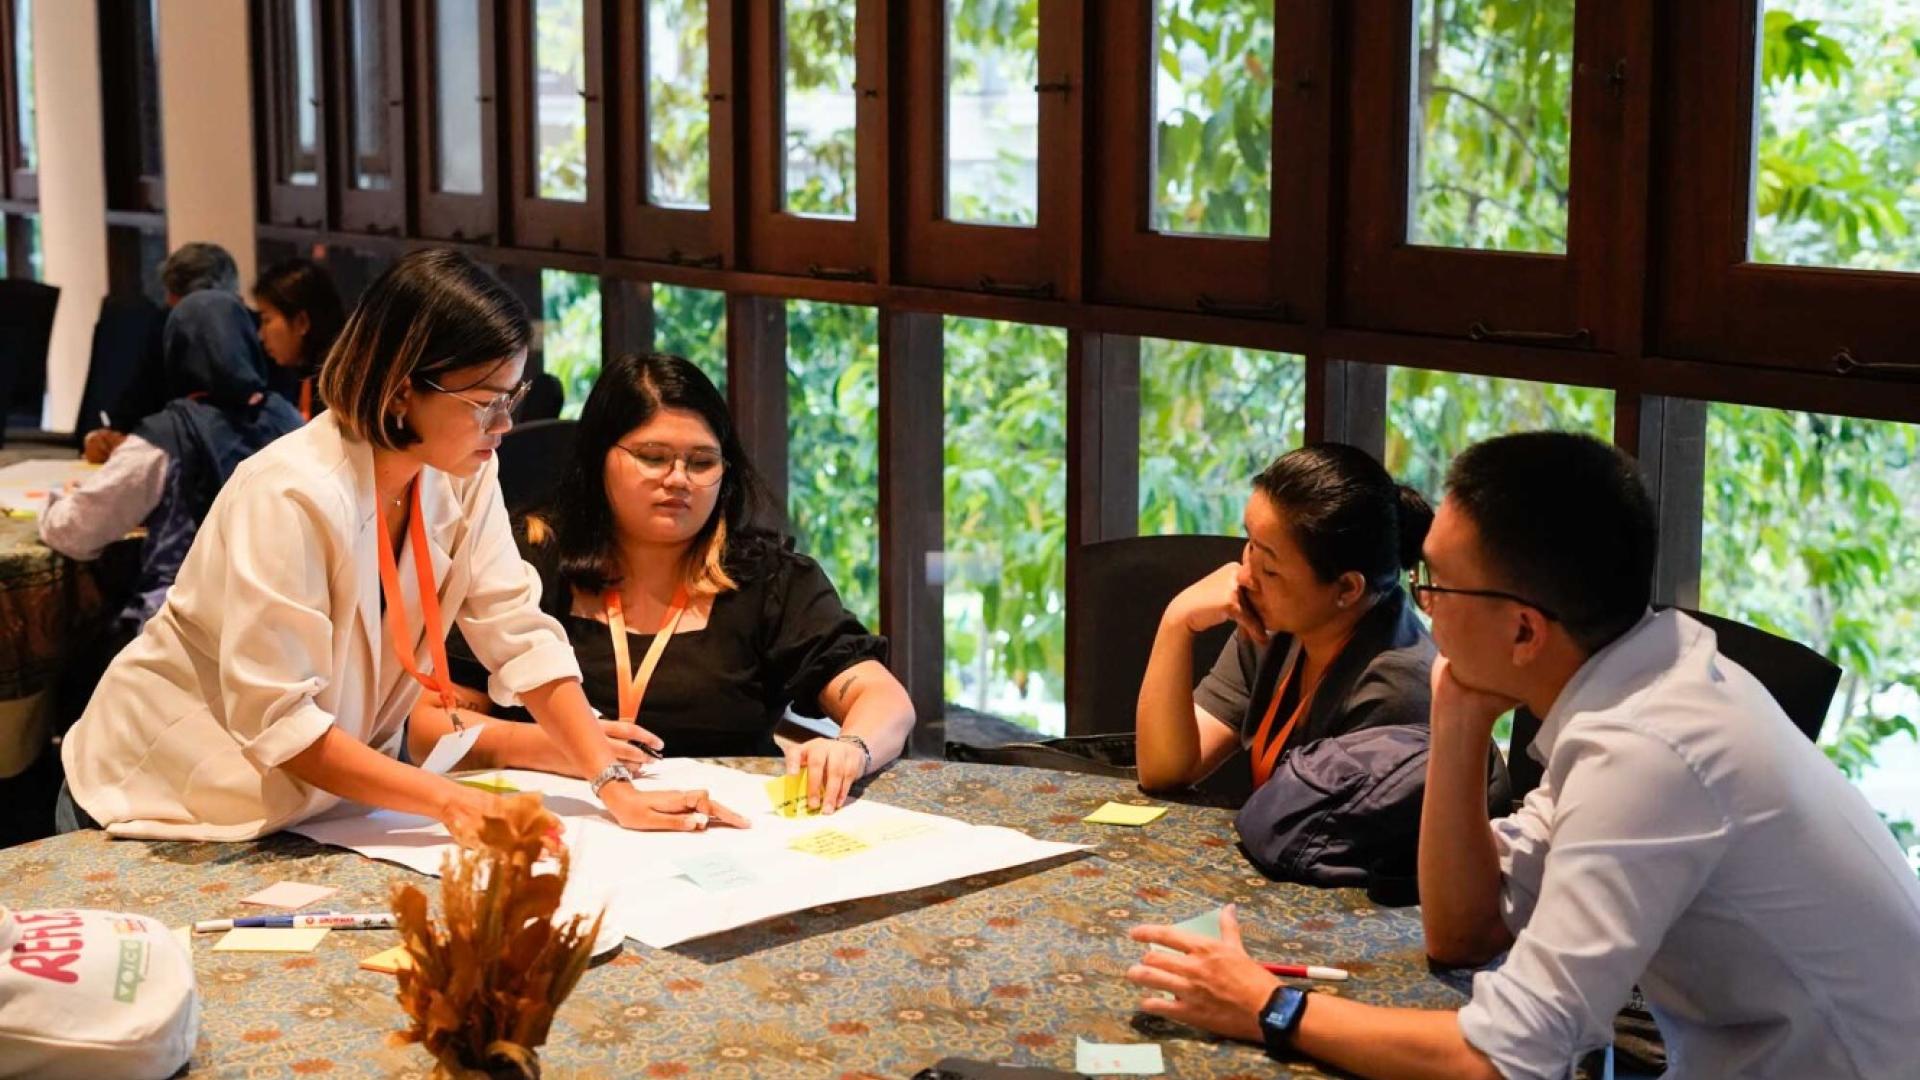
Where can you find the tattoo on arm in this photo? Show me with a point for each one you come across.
(846, 687)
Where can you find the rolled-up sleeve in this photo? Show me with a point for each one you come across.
(279, 641)
(109, 505)
(1634, 835)
(520, 645)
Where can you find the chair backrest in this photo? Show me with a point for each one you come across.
(1801, 681)
(121, 340)
(1122, 588)
(544, 399)
(532, 458)
(26, 330)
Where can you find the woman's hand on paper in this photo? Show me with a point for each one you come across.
(666, 811)
(832, 769)
(538, 751)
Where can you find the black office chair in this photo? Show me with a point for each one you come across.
(1122, 589)
(544, 400)
(532, 458)
(26, 330)
(1801, 681)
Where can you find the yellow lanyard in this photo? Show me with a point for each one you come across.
(633, 689)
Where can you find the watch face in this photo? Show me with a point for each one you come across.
(1283, 1012)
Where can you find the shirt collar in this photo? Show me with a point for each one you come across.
(1599, 680)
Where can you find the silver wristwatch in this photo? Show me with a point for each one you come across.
(608, 775)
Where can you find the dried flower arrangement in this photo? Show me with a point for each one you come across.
(482, 991)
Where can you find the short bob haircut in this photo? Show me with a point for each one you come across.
(630, 391)
(432, 312)
(303, 287)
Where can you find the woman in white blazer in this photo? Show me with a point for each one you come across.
(276, 679)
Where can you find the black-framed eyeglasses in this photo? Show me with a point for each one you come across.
(1420, 584)
(493, 410)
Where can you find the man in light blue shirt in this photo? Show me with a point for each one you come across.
(1685, 837)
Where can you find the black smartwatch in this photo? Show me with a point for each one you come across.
(1280, 1018)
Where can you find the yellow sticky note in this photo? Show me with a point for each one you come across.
(493, 782)
(788, 794)
(830, 844)
(1124, 814)
(271, 939)
(891, 829)
(390, 962)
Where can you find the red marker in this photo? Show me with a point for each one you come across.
(1308, 971)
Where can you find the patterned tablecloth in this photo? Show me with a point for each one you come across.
(1006, 967)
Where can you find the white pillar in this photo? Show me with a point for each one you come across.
(206, 122)
(73, 192)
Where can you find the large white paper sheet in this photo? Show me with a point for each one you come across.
(24, 484)
(666, 888)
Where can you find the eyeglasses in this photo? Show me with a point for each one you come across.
(1420, 584)
(656, 460)
(490, 412)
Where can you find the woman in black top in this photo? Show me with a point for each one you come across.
(650, 517)
(1317, 598)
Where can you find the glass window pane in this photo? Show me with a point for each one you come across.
(570, 334)
(1433, 415)
(677, 111)
(693, 323)
(993, 112)
(1492, 114)
(372, 164)
(833, 448)
(1836, 169)
(23, 83)
(457, 132)
(1211, 417)
(817, 109)
(303, 162)
(1809, 532)
(1006, 520)
(1213, 117)
(560, 101)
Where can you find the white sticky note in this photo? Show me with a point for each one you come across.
(271, 939)
(289, 895)
(718, 872)
(1117, 1059)
(451, 748)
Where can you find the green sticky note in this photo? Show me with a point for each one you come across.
(788, 794)
(1206, 924)
(1117, 1059)
(1124, 814)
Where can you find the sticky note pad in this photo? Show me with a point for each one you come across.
(717, 872)
(493, 782)
(1206, 924)
(390, 962)
(830, 844)
(788, 794)
(1117, 1059)
(290, 895)
(1124, 814)
(271, 939)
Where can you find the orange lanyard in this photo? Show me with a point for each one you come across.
(438, 682)
(306, 399)
(633, 689)
(1267, 754)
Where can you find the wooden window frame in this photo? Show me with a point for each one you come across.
(23, 184)
(1564, 300)
(685, 237)
(1038, 260)
(287, 203)
(1710, 301)
(833, 249)
(445, 215)
(382, 213)
(1242, 277)
(129, 188)
(554, 224)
